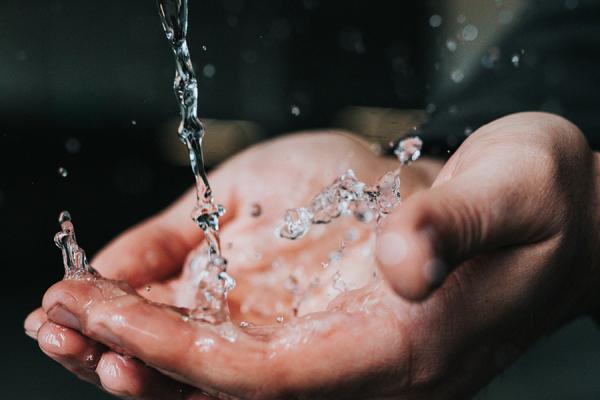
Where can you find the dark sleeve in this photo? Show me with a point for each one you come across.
(558, 71)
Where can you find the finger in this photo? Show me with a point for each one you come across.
(127, 377)
(68, 347)
(156, 248)
(220, 359)
(437, 229)
(33, 322)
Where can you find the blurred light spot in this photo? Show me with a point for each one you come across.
(209, 70)
(451, 45)
(470, 33)
(435, 21)
(457, 75)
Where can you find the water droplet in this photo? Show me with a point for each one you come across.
(457, 76)
(255, 210)
(209, 70)
(295, 110)
(245, 324)
(409, 150)
(468, 131)
(148, 288)
(296, 223)
(279, 319)
(204, 48)
(470, 33)
(62, 171)
(430, 108)
(133, 122)
(516, 60)
(435, 21)
(389, 192)
(461, 18)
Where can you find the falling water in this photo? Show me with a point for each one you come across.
(215, 282)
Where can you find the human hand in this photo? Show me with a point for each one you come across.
(508, 231)
(258, 363)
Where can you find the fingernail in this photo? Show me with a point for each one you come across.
(392, 249)
(31, 334)
(435, 272)
(62, 316)
(32, 325)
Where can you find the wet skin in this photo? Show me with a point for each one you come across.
(487, 253)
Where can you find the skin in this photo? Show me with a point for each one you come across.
(486, 254)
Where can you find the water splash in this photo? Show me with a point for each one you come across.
(215, 282)
(349, 196)
(74, 259)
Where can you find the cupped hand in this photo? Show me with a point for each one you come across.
(503, 235)
(299, 340)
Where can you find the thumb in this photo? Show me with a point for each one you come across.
(435, 230)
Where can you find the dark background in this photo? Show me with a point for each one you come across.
(87, 86)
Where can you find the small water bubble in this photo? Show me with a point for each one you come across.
(209, 70)
(295, 110)
(185, 318)
(468, 131)
(255, 210)
(457, 76)
(204, 48)
(296, 223)
(470, 33)
(461, 19)
(148, 288)
(324, 265)
(451, 45)
(435, 21)
(244, 324)
(279, 319)
(62, 171)
(515, 60)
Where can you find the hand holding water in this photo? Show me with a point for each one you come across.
(503, 222)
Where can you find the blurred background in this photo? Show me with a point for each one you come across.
(88, 122)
